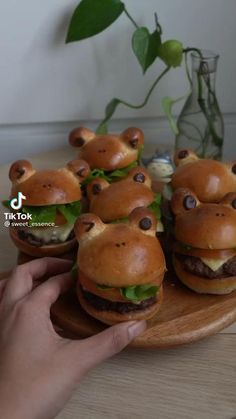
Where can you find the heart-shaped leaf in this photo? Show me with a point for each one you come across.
(92, 17)
(146, 46)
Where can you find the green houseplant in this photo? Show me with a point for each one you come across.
(93, 16)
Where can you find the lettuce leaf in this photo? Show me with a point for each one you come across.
(155, 206)
(115, 174)
(136, 292)
(139, 292)
(47, 213)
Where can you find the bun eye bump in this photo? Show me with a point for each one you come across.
(139, 177)
(189, 202)
(145, 223)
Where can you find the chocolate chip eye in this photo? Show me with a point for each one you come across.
(145, 224)
(20, 172)
(234, 169)
(79, 141)
(234, 204)
(96, 188)
(189, 202)
(183, 154)
(139, 177)
(89, 225)
(134, 142)
(80, 172)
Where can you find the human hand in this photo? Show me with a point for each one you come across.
(39, 369)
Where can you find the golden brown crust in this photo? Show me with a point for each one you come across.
(210, 180)
(108, 152)
(208, 226)
(20, 170)
(48, 187)
(111, 317)
(115, 201)
(47, 250)
(204, 285)
(121, 255)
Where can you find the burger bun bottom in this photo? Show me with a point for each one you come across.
(202, 285)
(112, 317)
(42, 251)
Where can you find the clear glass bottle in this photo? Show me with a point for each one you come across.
(200, 123)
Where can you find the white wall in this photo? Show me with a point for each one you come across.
(42, 80)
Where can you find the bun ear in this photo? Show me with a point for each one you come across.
(81, 136)
(95, 187)
(183, 156)
(133, 137)
(229, 200)
(183, 200)
(144, 219)
(79, 168)
(140, 175)
(20, 171)
(88, 226)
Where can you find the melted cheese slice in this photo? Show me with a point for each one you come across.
(214, 264)
(60, 233)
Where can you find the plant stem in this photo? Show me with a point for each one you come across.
(130, 105)
(187, 69)
(130, 18)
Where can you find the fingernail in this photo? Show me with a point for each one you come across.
(137, 329)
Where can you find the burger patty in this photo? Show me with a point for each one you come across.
(35, 241)
(102, 304)
(195, 266)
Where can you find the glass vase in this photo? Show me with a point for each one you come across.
(200, 123)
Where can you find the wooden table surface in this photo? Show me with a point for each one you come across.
(192, 382)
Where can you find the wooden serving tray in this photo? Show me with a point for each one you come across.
(184, 317)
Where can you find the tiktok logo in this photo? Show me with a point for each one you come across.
(16, 203)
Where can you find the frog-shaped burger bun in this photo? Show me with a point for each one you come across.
(121, 267)
(209, 179)
(114, 201)
(52, 198)
(108, 152)
(205, 249)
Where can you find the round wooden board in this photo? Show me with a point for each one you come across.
(184, 317)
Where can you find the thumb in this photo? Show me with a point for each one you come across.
(91, 351)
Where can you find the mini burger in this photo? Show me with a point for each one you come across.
(205, 250)
(121, 267)
(114, 202)
(209, 179)
(52, 203)
(110, 156)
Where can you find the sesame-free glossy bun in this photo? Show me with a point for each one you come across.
(204, 225)
(47, 250)
(110, 151)
(209, 179)
(203, 285)
(112, 317)
(121, 254)
(117, 200)
(209, 226)
(48, 187)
